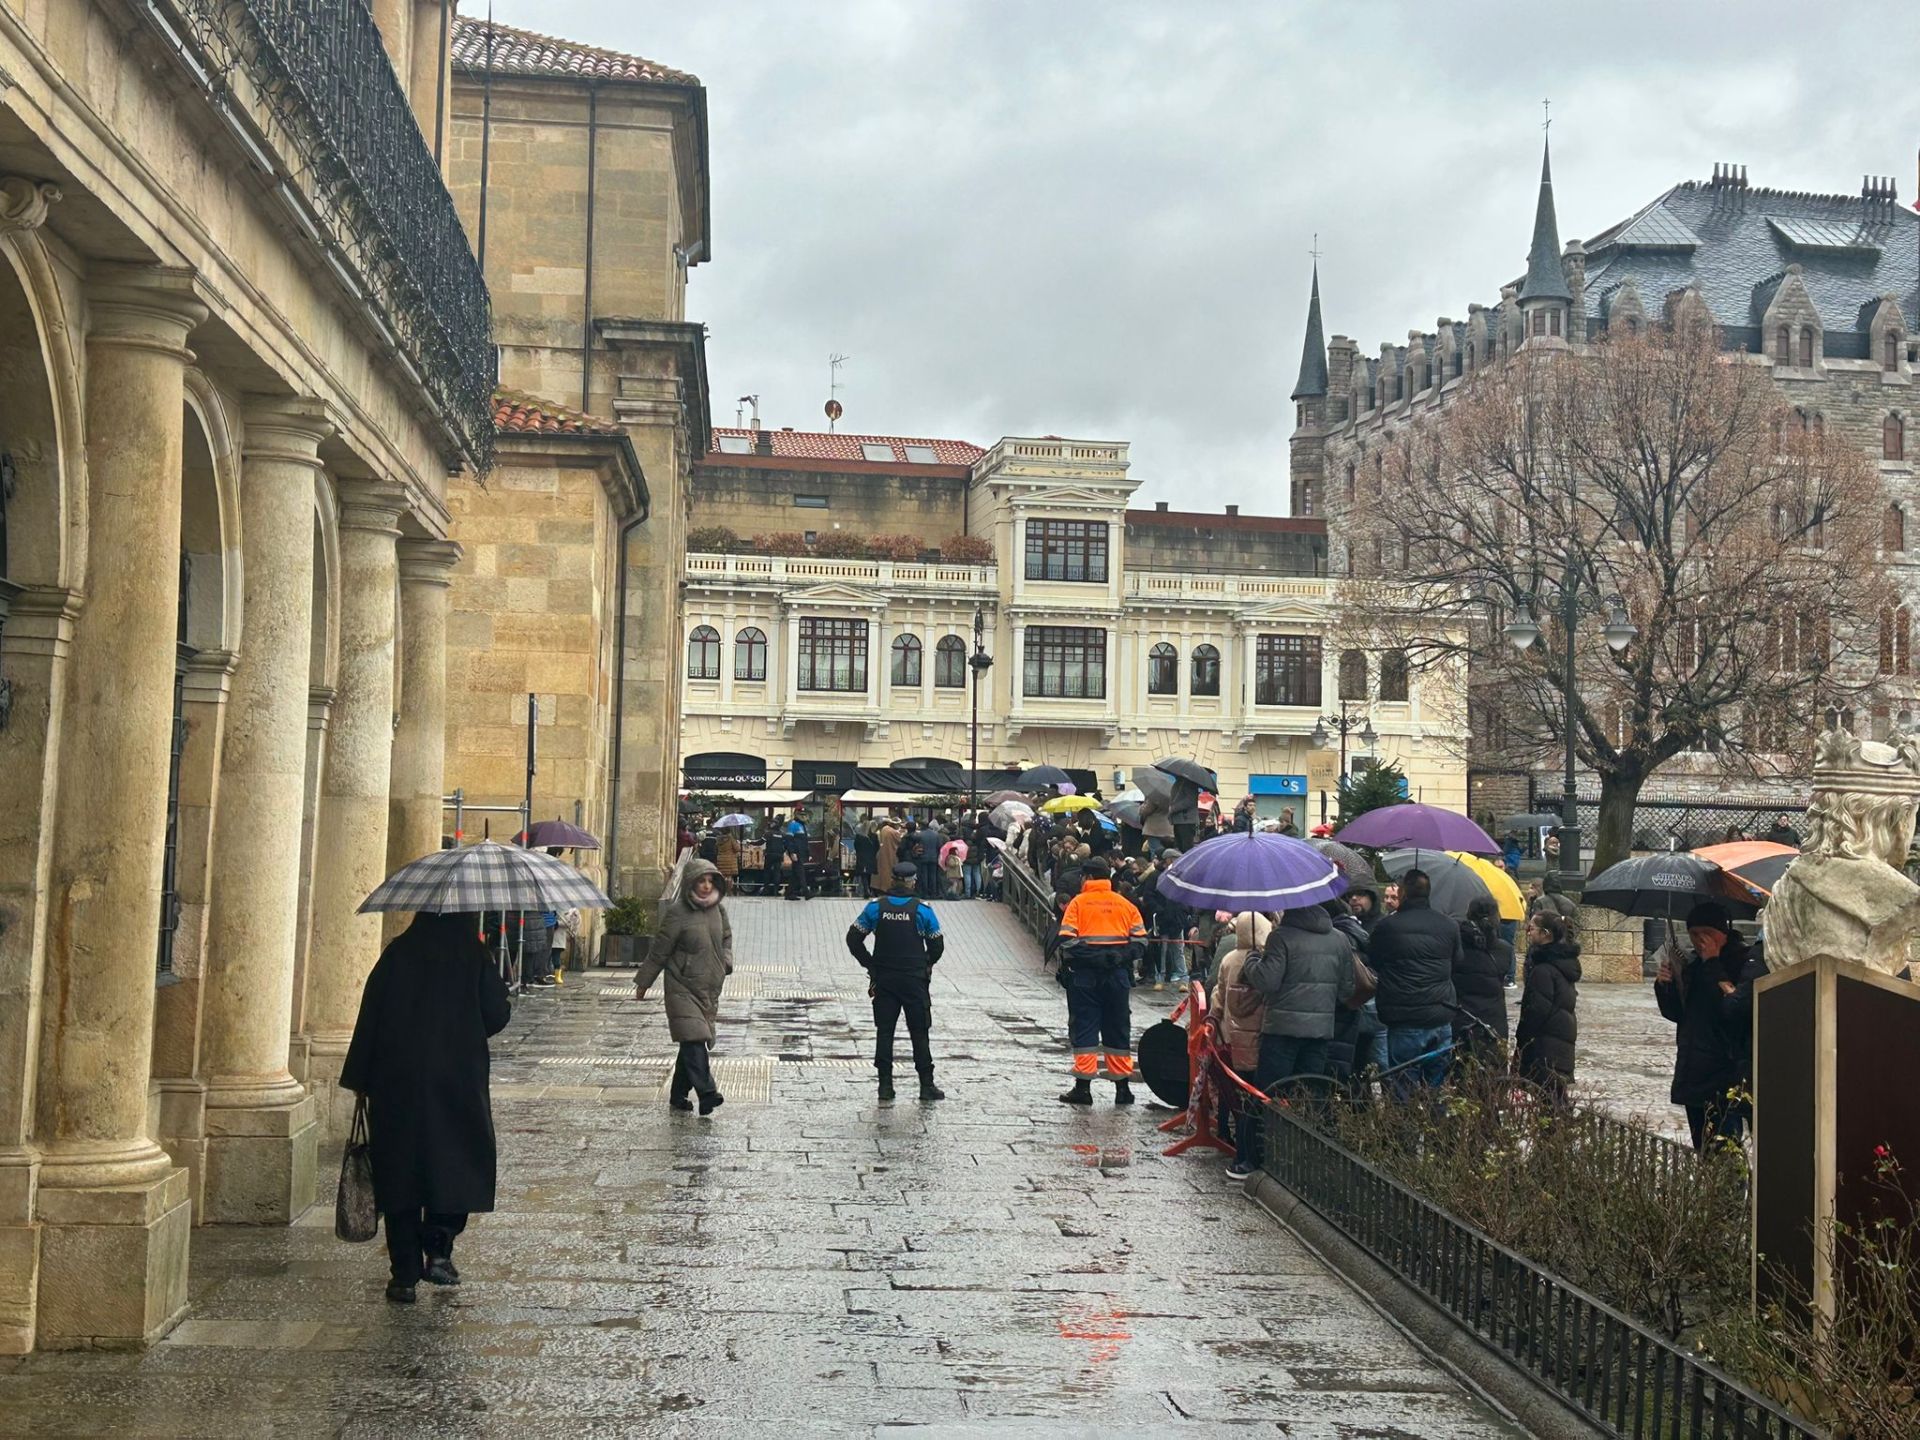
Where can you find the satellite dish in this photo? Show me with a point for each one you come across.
(834, 410)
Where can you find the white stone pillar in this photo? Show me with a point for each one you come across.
(319, 710)
(351, 834)
(113, 1207)
(262, 1140)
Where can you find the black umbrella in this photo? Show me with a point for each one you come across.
(1127, 812)
(1042, 777)
(1539, 821)
(1182, 768)
(1455, 885)
(1660, 886)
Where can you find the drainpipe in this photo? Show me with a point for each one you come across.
(586, 307)
(619, 709)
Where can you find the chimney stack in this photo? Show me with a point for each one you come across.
(1160, 507)
(762, 441)
(1233, 509)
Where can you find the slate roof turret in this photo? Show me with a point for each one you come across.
(1545, 279)
(1313, 355)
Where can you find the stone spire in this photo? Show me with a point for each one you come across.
(1313, 356)
(1545, 279)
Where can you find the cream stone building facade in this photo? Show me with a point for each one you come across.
(236, 371)
(581, 175)
(1119, 636)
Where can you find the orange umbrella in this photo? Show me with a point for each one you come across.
(1750, 868)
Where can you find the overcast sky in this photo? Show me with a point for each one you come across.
(1092, 218)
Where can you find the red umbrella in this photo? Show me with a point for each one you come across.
(1749, 869)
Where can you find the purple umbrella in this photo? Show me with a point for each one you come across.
(1417, 827)
(1252, 872)
(558, 834)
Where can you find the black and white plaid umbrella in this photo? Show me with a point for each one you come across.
(487, 876)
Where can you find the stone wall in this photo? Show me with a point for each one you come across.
(1231, 543)
(758, 499)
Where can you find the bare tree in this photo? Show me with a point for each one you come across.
(1659, 471)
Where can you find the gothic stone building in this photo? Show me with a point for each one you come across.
(1818, 288)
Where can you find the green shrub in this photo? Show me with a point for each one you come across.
(631, 916)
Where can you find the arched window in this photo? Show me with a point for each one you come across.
(1818, 425)
(950, 663)
(1806, 347)
(1896, 641)
(1893, 530)
(750, 654)
(1205, 679)
(1353, 675)
(1783, 345)
(703, 653)
(1163, 670)
(1893, 438)
(906, 660)
(1393, 675)
(1890, 354)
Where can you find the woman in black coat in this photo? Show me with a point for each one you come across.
(1711, 1005)
(1480, 988)
(419, 1059)
(1544, 1040)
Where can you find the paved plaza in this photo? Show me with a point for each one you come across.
(806, 1262)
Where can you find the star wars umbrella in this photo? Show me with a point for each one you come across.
(487, 876)
(1252, 872)
(1661, 886)
(558, 834)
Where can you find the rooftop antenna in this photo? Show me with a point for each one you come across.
(834, 408)
(1315, 251)
(754, 401)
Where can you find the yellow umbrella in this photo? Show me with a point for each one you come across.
(1506, 894)
(1063, 804)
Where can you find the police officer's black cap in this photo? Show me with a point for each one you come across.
(905, 870)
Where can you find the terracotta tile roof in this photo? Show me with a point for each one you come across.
(818, 445)
(517, 413)
(523, 52)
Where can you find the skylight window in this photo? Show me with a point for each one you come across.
(1842, 236)
(922, 455)
(883, 453)
(735, 445)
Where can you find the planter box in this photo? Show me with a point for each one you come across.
(623, 951)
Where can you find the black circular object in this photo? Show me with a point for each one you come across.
(1163, 1062)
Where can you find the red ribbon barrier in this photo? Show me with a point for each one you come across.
(1206, 1070)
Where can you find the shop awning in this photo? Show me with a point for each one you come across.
(751, 799)
(902, 798)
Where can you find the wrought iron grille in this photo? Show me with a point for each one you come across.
(1620, 1375)
(365, 182)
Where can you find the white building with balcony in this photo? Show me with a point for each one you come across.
(1119, 636)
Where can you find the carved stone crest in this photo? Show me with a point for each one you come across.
(24, 203)
(1846, 895)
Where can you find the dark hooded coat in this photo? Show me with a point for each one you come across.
(694, 949)
(1544, 1040)
(419, 1056)
(1713, 1045)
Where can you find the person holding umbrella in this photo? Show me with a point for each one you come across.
(1710, 1002)
(418, 1060)
(694, 950)
(1414, 951)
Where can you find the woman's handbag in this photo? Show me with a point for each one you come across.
(355, 1216)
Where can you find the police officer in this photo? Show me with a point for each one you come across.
(906, 944)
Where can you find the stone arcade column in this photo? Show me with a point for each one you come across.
(414, 823)
(262, 1139)
(350, 834)
(113, 1208)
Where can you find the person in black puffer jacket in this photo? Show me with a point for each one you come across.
(1354, 1027)
(1414, 951)
(1711, 1003)
(1480, 982)
(1545, 1039)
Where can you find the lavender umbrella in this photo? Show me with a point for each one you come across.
(550, 834)
(1417, 827)
(1252, 872)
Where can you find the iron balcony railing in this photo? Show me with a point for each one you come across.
(308, 89)
(1620, 1375)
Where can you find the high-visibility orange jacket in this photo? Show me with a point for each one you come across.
(1098, 922)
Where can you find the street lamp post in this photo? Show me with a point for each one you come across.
(1344, 724)
(1521, 632)
(979, 662)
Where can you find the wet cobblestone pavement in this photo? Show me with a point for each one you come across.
(805, 1262)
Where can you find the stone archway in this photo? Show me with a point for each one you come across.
(39, 563)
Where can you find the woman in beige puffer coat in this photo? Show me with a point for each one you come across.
(694, 950)
(1242, 1011)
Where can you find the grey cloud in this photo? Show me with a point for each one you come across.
(1092, 217)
